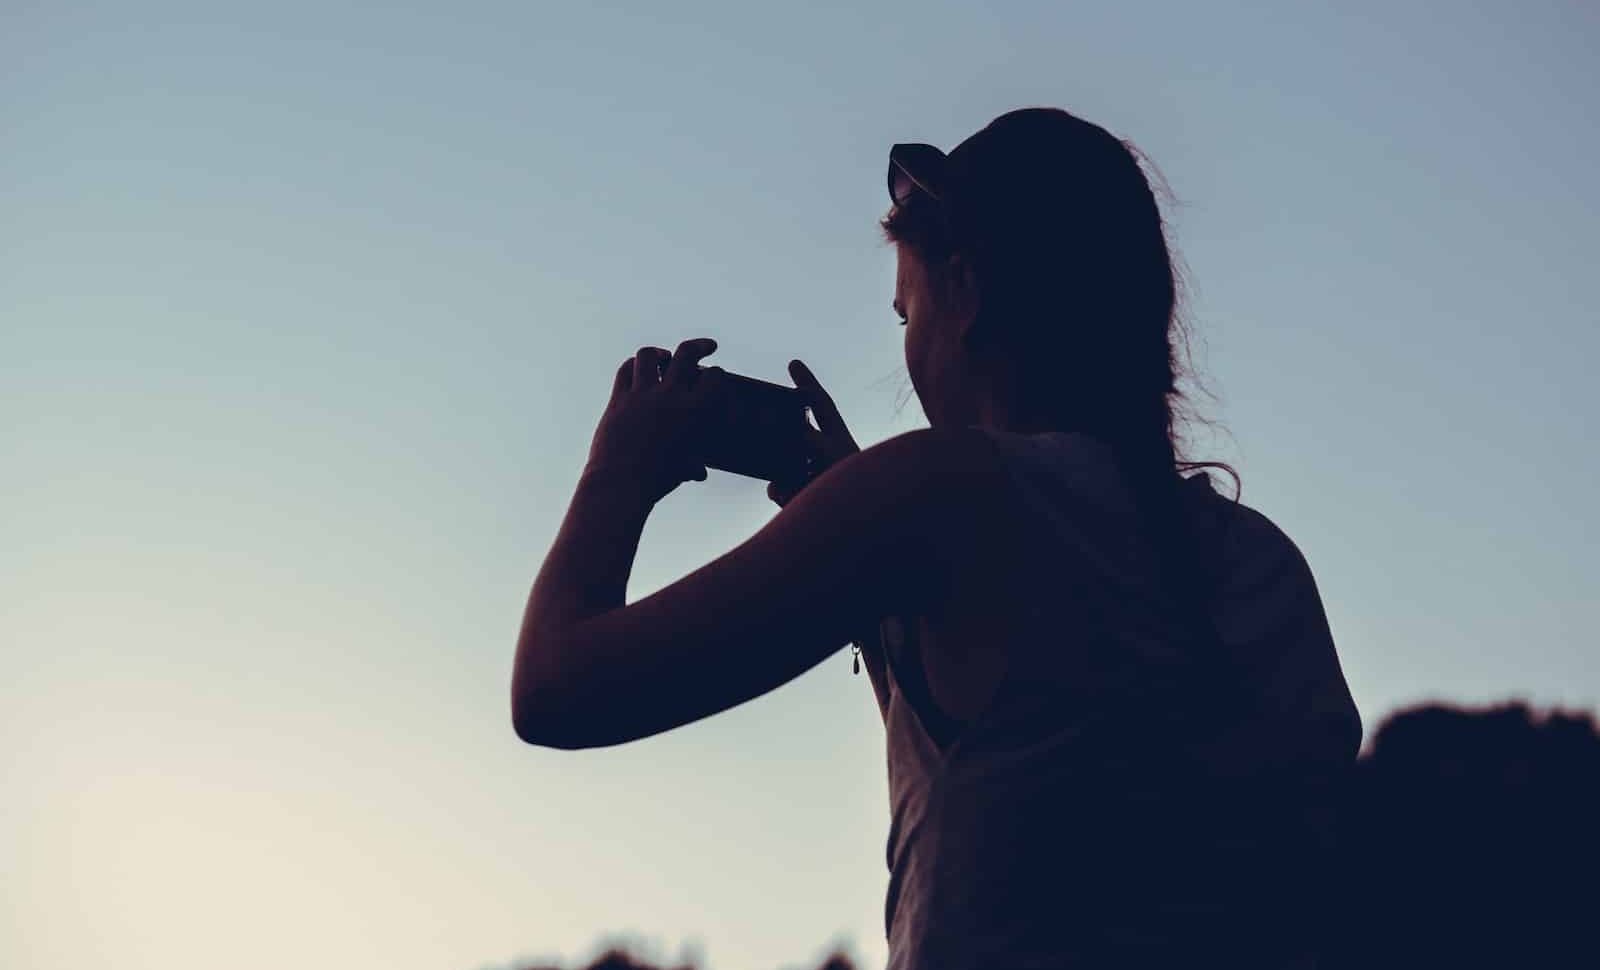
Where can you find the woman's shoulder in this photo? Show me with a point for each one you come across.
(997, 481)
(940, 462)
(1062, 474)
(1247, 537)
(986, 451)
(951, 486)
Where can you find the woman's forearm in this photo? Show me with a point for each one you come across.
(586, 571)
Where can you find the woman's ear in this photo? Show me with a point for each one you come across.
(962, 298)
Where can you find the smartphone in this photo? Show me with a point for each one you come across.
(756, 429)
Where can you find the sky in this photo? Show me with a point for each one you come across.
(307, 314)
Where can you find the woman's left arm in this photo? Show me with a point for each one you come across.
(852, 547)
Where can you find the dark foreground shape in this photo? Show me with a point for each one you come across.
(1473, 841)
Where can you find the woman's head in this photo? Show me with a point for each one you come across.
(1039, 295)
(1035, 282)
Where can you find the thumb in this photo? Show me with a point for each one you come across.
(822, 406)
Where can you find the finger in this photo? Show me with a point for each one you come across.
(686, 360)
(624, 378)
(822, 406)
(647, 366)
(781, 494)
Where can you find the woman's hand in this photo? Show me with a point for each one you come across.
(830, 442)
(648, 435)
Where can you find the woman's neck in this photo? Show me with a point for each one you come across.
(999, 412)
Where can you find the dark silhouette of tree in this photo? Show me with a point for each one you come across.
(618, 958)
(1473, 840)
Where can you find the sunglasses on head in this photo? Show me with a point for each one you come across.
(915, 168)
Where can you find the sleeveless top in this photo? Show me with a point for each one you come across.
(1126, 798)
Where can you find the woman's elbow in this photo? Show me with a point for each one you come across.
(539, 733)
(522, 718)
(538, 724)
(537, 715)
(553, 705)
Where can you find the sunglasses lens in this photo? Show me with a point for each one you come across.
(925, 160)
(901, 187)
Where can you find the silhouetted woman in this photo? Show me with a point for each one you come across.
(1114, 713)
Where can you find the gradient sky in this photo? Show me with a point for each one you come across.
(306, 317)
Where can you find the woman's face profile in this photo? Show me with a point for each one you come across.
(934, 355)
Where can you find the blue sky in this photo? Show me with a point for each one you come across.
(306, 316)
